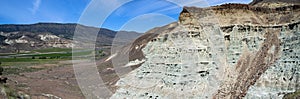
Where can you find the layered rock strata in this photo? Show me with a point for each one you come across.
(229, 51)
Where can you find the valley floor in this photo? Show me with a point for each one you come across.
(54, 81)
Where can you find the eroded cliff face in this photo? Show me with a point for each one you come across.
(230, 51)
(262, 64)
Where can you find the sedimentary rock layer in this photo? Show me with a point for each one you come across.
(229, 51)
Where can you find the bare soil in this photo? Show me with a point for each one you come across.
(57, 80)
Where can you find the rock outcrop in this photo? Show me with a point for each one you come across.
(274, 3)
(26, 41)
(229, 51)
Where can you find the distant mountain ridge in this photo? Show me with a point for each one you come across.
(44, 35)
(64, 29)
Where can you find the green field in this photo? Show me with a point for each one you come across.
(44, 57)
(53, 50)
(51, 55)
(3, 60)
(15, 63)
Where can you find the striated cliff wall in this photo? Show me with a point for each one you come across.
(220, 52)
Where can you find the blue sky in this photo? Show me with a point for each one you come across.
(135, 15)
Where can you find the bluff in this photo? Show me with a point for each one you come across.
(228, 51)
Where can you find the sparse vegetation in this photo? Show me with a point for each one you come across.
(12, 93)
(18, 70)
(5, 89)
(295, 95)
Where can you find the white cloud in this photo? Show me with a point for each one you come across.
(36, 6)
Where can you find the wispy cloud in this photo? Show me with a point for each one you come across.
(36, 5)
